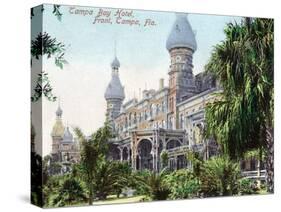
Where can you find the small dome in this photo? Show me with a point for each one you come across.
(67, 136)
(115, 63)
(59, 112)
(181, 34)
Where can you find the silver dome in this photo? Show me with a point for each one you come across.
(67, 136)
(114, 89)
(181, 34)
(59, 111)
(115, 63)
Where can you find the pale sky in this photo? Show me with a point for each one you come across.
(90, 50)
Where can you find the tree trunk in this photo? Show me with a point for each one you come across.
(269, 165)
(91, 195)
(259, 167)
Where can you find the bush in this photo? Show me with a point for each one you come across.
(152, 184)
(219, 177)
(183, 184)
(247, 186)
(164, 158)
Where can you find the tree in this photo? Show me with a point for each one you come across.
(242, 117)
(93, 150)
(110, 178)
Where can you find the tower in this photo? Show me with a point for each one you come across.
(57, 132)
(114, 94)
(181, 45)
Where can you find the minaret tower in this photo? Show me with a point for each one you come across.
(58, 131)
(114, 94)
(181, 45)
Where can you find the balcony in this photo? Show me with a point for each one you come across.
(254, 175)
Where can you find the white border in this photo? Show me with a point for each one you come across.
(15, 105)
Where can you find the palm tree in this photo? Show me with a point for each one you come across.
(242, 118)
(154, 184)
(93, 149)
(219, 176)
(69, 192)
(110, 178)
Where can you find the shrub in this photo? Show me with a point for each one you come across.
(219, 177)
(247, 186)
(164, 158)
(183, 184)
(152, 184)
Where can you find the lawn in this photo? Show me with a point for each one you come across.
(115, 200)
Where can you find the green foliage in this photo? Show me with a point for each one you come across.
(69, 192)
(243, 64)
(93, 151)
(56, 12)
(45, 45)
(164, 158)
(36, 179)
(197, 161)
(153, 184)
(183, 184)
(219, 177)
(110, 178)
(63, 190)
(43, 86)
(242, 118)
(247, 186)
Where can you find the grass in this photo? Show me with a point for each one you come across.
(115, 200)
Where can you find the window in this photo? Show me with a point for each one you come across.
(135, 118)
(157, 109)
(145, 115)
(151, 110)
(181, 121)
(163, 106)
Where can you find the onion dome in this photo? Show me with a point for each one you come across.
(58, 129)
(114, 89)
(67, 136)
(115, 63)
(181, 34)
(59, 112)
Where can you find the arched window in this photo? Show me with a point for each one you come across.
(173, 144)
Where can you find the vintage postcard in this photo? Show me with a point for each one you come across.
(131, 105)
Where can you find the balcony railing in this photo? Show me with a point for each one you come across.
(254, 174)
